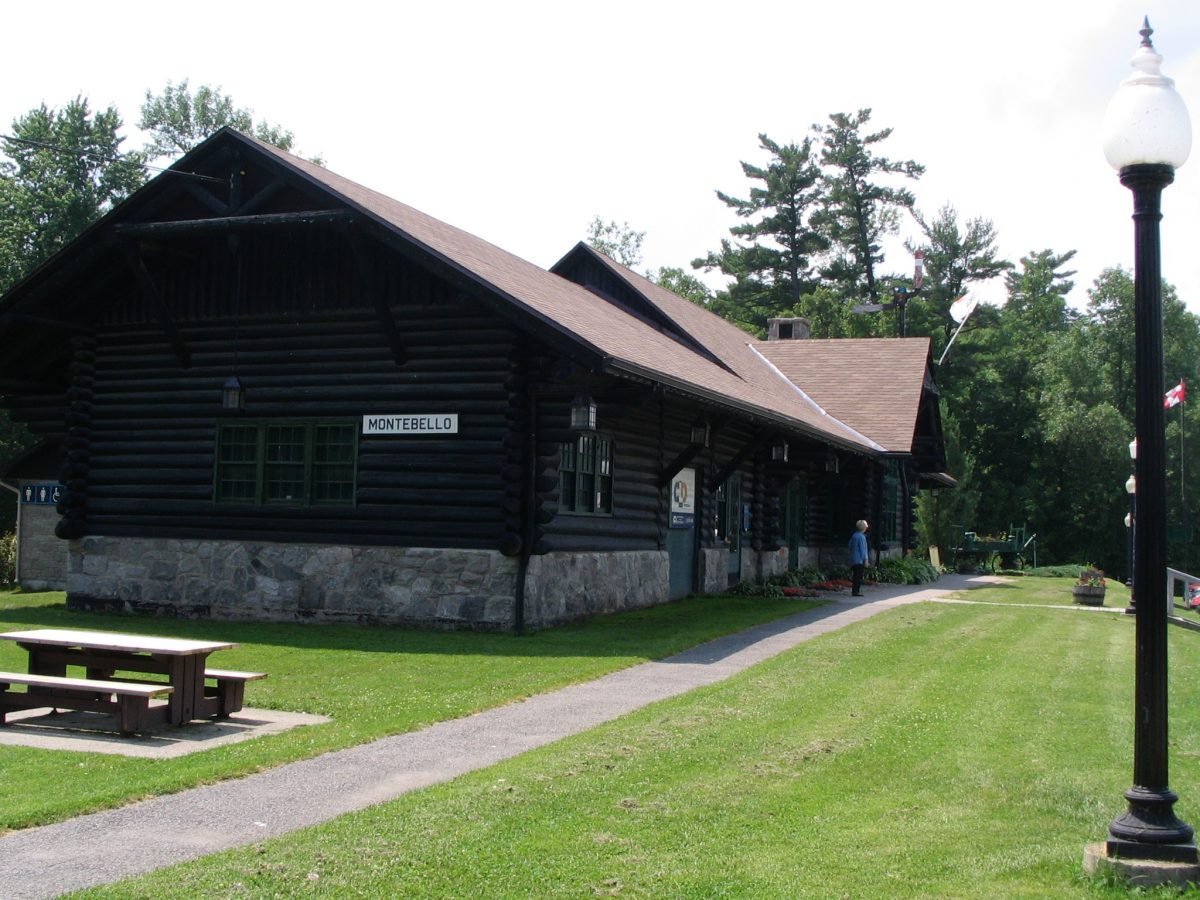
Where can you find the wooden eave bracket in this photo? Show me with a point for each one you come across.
(675, 466)
(152, 296)
(752, 446)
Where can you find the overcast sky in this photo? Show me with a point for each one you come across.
(520, 121)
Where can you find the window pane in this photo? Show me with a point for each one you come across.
(333, 464)
(566, 477)
(237, 463)
(284, 471)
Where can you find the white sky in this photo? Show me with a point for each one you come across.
(519, 121)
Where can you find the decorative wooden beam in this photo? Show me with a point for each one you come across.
(229, 224)
(152, 296)
(759, 440)
(673, 468)
(366, 271)
(259, 199)
(214, 203)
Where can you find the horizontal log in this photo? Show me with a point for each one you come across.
(565, 543)
(230, 224)
(168, 528)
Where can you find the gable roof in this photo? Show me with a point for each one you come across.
(653, 336)
(625, 344)
(873, 385)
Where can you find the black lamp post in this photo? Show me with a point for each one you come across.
(1131, 524)
(1147, 135)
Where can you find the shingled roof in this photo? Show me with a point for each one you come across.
(627, 344)
(858, 395)
(874, 385)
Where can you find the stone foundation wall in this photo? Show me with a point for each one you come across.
(564, 586)
(715, 576)
(759, 566)
(41, 557)
(419, 586)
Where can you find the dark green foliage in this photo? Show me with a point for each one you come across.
(771, 259)
(956, 258)
(859, 209)
(8, 557)
(178, 120)
(65, 171)
(904, 570)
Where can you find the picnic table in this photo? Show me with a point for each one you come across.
(102, 655)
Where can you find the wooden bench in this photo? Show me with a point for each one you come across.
(131, 703)
(230, 688)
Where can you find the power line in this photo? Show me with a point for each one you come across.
(92, 154)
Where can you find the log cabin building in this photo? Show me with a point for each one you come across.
(274, 393)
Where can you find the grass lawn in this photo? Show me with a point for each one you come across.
(936, 750)
(372, 681)
(1040, 590)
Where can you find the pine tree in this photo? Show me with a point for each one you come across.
(858, 210)
(771, 259)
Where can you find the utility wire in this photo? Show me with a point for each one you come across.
(76, 151)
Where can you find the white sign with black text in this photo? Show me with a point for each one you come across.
(416, 423)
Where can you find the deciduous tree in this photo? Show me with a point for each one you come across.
(63, 169)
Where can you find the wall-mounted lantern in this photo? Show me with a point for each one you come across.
(779, 450)
(701, 432)
(232, 394)
(583, 413)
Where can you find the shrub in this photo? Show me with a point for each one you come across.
(905, 570)
(8, 557)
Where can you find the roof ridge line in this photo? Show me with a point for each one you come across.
(813, 403)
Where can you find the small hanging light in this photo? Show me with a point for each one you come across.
(701, 432)
(583, 413)
(779, 449)
(232, 394)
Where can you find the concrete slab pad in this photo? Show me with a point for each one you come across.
(87, 732)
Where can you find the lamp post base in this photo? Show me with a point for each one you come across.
(1150, 830)
(1139, 872)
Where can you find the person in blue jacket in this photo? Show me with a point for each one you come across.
(858, 555)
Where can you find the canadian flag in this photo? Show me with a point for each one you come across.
(1175, 396)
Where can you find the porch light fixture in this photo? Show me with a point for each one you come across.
(701, 432)
(779, 450)
(233, 396)
(583, 413)
(1147, 135)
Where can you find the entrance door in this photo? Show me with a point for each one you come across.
(795, 503)
(730, 523)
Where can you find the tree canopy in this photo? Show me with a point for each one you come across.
(61, 170)
(177, 120)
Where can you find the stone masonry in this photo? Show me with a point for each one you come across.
(421, 586)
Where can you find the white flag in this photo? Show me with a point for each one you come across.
(963, 307)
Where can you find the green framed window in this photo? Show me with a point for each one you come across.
(286, 463)
(890, 530)
(585, 475)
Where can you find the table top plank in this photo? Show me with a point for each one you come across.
(111, 640)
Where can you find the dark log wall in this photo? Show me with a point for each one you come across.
(638, 520)
(307, 344)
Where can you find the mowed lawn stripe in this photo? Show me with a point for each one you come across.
(933, 751)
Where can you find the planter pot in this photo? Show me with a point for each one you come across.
(1088, 595)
